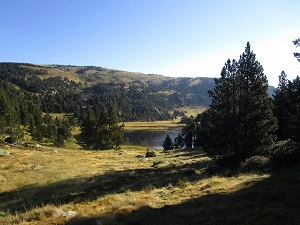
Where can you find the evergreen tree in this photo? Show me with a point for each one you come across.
(241, 119)
(297, 44)
(59, 141)
(294, 113)
(224, 110)
(3, 112)
(167, 144)
(87, 129)
(282, 106)
(102, 131)
(179, 141)
(189, 132)
(203, 124)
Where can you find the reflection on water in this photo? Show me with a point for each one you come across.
(150, 138)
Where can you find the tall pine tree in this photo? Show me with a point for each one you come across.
(282, 106)
(294, 113)
(241, 118)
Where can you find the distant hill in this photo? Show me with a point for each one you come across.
(137, 96)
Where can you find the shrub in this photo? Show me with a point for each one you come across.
(254, 164)
(285, 153)
(158, 161)
(150, 153)
(11, 139)
(182, 183)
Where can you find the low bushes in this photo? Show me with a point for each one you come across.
(254, 164)
(150, 153)
(282, 153)
(285, 153)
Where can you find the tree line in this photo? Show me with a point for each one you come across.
(242, 120)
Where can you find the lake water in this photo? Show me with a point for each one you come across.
(150, 138)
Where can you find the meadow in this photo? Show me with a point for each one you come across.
(38, 186)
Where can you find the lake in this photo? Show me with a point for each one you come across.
(150, 138)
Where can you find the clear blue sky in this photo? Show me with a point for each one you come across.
(169, 37)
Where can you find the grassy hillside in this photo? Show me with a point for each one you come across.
(93, 75)
(117, 187)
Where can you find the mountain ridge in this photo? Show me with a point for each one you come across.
(137, 96)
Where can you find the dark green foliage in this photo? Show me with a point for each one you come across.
(101, 131)
(285, 153)
(143, 100)
(59, 141)
(287, 108)
(281, 108)
(150, 153)
(189, 132)
(87, 129)
(133, 104)
(297, 44)
(255, 163)
(294, 110)
(167, 144)
(11, 139)
(240, 122)
(177, 113)
(179, 142)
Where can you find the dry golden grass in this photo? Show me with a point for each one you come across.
(116, 187)
(163, 125)
(192, 111)
(155, 125)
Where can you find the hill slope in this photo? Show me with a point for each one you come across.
(69, 89)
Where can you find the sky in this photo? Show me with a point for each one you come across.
(186, 38)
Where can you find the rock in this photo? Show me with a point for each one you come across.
(38, 146)
(70, 214)
(58, 212)
(36, 167)
(4, 152)
(144, 159)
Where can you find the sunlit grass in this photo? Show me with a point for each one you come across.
(116, 187)
(155, 125)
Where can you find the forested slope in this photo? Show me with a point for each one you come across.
(70, 89)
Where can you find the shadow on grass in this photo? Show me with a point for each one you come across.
(81, 189)
(273, 201)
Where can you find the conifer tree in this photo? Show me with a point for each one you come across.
(241, 119)
(297, 44)
(294, 113)
(87, 129)
(189, 132)
(179, 141)
(102, 131)
(167, 144)
(282, 106)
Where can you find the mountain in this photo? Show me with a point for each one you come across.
(137, 96)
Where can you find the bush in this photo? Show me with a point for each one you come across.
(157, 161)
(11, 139)
(254, 164)
(285, 153)
(150, 153)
